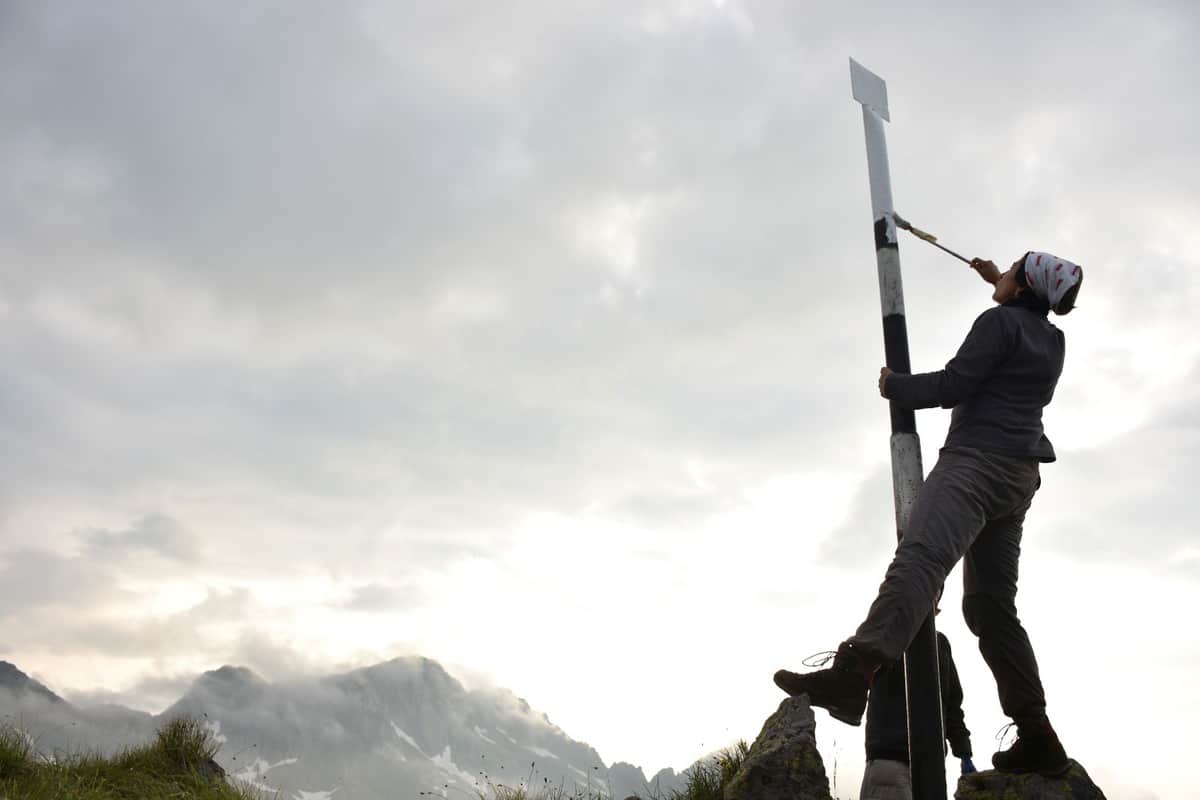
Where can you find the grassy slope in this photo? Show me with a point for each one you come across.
(173, 766)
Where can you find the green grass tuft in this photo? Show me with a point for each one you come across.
(499, 791)
(14, 752)
(176, 766)
(707, 779)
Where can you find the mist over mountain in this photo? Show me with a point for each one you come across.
(16, 682)
(393, 730)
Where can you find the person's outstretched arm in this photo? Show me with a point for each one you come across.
(950, 386)
(986, 346)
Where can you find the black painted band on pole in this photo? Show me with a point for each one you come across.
(921, 679)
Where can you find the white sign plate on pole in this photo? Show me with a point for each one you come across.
(869, 89)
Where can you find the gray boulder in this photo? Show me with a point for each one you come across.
(1074, 784)
(783, 763)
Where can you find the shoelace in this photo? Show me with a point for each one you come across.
(1003, 732)
(817, 660)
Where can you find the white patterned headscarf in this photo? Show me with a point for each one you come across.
(1051, 277)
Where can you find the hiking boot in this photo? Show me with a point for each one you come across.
(1036, 749)
(841, 690)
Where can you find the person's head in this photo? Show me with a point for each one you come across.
(1042, 282)
(1010, 287)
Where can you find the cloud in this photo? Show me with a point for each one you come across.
(273, 655)
(37, 579)
(155, 533)
(374, 597)
(153, 691)
(863, 536)
(440, 345)
(165, 633)
(1141, 515)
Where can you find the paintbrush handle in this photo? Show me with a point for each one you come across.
(951, 252)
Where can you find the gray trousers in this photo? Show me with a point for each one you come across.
(886, 780)
(971, 505)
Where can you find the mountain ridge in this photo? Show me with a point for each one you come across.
(16, 681)
(398, 728)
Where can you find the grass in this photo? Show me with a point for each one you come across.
(707, 779)
(173, 767)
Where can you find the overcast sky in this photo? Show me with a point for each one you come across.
(541, 338)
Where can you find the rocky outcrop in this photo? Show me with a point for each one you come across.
(210, 770)
(1074, 784)
(783, 763)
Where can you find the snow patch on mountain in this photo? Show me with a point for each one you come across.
(540, 751)
(303, 795)
(482, 734)
(411, 741)
(253, 773)
(214, 729)
(249, 782)
(504, 733)
(445, 762)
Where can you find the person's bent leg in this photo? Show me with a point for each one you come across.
(948, 513)
(964, 490)
(945, 517)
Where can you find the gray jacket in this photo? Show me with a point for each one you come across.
(1002, 377)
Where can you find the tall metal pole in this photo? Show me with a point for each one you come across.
(925, 736)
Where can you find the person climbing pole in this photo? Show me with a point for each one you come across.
(972, 507)
(887, 770)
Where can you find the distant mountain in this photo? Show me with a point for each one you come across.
(18, 683)
(393, 730)
(58, 726)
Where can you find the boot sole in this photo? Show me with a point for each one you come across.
(847, 716)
